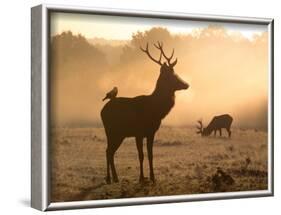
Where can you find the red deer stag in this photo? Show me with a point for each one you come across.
(141, 116)
(217, 123)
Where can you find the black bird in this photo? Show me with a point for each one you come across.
(112, 94)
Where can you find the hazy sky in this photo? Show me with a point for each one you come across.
(122, 28)
(227, 73)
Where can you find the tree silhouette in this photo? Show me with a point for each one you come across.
(75, 52)
(131, 51)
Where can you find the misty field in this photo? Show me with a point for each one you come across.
(184, 163)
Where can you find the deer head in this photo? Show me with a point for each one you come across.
(168, 80)
(201, 129)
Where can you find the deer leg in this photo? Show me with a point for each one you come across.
(113, 170)
(220, 132)
(150, 140)
(108, 179)
(229, 132)
(215, 132)
(139, 141)
(115, 146)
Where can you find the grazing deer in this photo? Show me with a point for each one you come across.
(217, 123)
(141, 116)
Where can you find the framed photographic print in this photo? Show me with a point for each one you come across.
(141, 107)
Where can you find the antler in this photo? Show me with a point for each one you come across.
(148, 54)
(200, 128)
(160, 47)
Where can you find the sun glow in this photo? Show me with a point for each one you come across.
(226, 66)
(122, 28)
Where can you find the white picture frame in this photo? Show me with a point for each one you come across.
(40, 176)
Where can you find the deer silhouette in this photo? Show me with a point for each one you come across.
(217, 123)
(140, 117)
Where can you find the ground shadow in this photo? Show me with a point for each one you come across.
(25, 202)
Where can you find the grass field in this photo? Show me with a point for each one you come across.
(184, 163)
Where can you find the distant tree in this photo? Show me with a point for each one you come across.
(153, 35)
(74, 51)
(132, 52)
(215, 31)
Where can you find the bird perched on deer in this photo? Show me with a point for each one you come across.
(111, 94)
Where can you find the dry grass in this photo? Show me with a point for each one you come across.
(184, 163)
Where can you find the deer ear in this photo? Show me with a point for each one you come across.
(174, 63)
